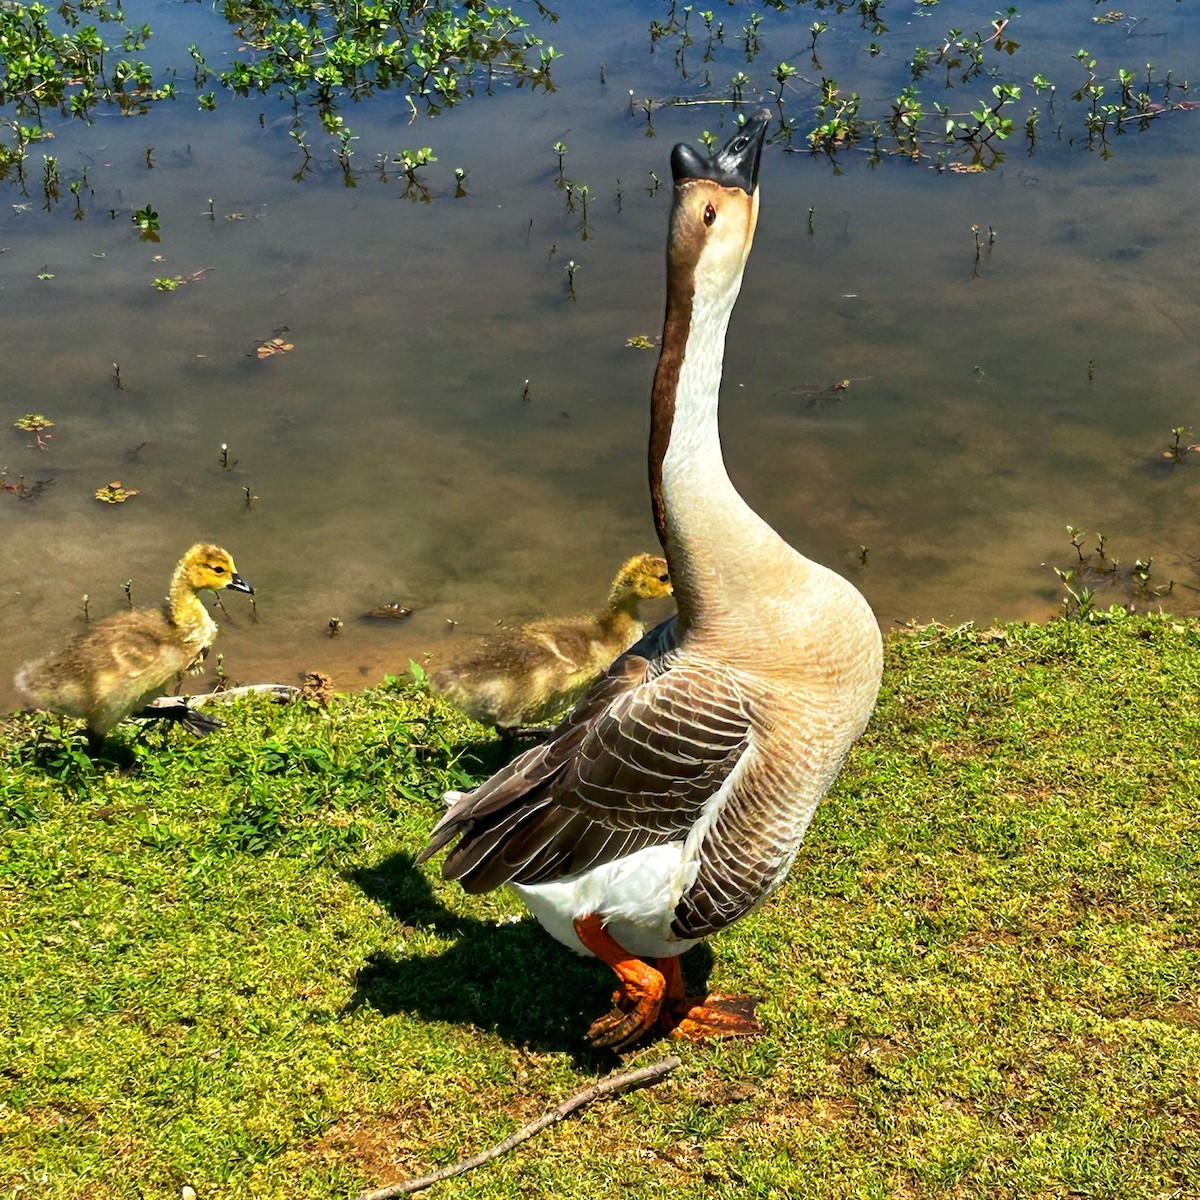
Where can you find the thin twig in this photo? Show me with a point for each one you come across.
(589, 1095)
(281, 693)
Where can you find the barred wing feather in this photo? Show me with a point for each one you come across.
(632, 766)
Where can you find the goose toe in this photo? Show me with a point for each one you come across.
(712, 1016)
(637, 1006)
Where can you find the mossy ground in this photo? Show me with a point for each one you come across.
(219, 966)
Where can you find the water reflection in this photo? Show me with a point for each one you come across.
(396, 454)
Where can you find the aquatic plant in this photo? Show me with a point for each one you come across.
(979, 244)
(318, 52)
(919, 126)
(1177, 451)
(36, 424)
(321, 54)
(146, 219)
(21, 489)
(1093, 569)
(410, 162)
(115, 493)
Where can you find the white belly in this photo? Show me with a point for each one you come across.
(636, 896)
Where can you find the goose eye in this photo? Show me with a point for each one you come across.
(710, 214)
(218, 570)
(663, 578)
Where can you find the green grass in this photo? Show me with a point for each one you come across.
(219, 966)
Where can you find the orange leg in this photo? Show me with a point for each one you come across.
(638, 1000)
(694, 1017)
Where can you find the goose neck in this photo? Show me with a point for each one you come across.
(701, 519)
(187, 612)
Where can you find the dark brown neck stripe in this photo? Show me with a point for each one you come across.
(676, 326)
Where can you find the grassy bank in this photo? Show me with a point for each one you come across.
(219, 967)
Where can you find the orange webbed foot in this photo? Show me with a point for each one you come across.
(711, 1016)
(637, 1002)
(636, 1009)
(691, 1018)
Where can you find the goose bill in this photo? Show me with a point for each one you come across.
(734, 165)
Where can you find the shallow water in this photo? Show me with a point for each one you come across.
(395, 453)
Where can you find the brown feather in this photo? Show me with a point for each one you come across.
(618, 776)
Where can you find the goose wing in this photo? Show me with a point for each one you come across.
(141, 642)
(126, 654)
(632, 766)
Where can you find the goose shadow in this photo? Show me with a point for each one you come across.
(511, 979)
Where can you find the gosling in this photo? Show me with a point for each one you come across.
(527, 676)
(121, 662)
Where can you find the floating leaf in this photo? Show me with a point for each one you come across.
(275, 346)
(33, 423)
(36, 424)
(114, 493)
(640, 341)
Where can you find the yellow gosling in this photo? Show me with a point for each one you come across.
(531, 674)
(121, 662)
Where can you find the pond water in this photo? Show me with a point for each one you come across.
(397, 451)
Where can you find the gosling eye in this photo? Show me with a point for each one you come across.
(710, 214)
(663, 578)
(218, 570)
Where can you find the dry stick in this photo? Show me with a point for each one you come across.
(606, 1087)
(280, 692)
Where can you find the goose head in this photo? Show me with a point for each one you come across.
(208, 566)
(715, 210)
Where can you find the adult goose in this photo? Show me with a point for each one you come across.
(523, 676)
(673, 799)
(123, 661)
